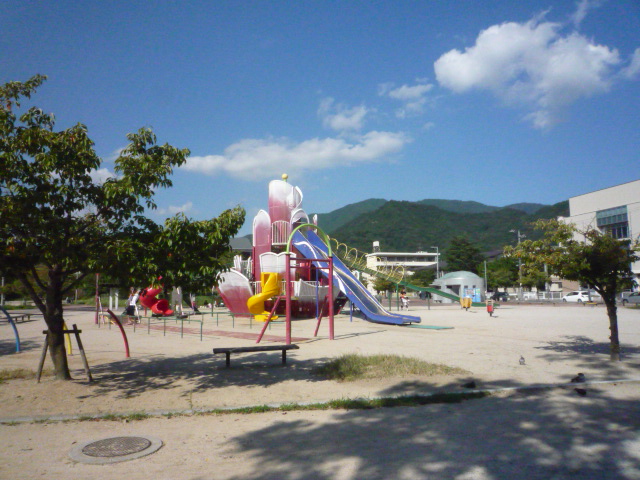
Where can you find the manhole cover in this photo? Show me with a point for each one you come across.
(117, 446)
(116, 449)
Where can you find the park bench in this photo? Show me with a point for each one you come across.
(257, 348)
(21, 318)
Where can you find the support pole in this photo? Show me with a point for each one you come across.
(288, 287)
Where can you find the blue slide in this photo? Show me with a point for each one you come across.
(313, 247)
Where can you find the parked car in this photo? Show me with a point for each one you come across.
(580, 296)
(500, 296)
(633, 298)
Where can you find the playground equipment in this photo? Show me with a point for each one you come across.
(158, 306)
(271, 231)
(309, 268)
(15, 329)
(270, 288)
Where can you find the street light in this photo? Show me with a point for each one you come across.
(437, 262)
(520, 235)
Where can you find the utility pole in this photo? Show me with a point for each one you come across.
(437, 262)
(520, 235)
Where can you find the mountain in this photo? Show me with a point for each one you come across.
(414, 226)
(337, 218)
(459, 206)
(529, 208)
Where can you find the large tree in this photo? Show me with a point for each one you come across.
(502, 272)
(463, 255)
(58, 224)
(595, 259)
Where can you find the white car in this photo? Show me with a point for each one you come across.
(580, 296)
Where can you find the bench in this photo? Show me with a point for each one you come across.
(258, 348)
(21, 317)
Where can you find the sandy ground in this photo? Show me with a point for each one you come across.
(544, 433)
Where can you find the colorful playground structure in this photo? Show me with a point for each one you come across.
(293, 272)
(149, 299)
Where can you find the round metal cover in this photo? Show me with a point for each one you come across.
(117, 446)
(116, 449)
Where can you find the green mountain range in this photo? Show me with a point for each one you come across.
(423, 225)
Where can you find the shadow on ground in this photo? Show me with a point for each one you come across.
(537, 435)
(133, 377)
(592, 354)
(8, 347)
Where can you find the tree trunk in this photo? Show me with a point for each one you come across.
(54, 317)
(612, 313)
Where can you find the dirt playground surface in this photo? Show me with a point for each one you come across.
(516, 433)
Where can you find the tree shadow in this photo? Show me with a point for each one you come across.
(591, 354)
(533, 435)
(132, 377)
(8, 347)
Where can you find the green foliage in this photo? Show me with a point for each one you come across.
(414, 226)
(502, 272)
(59, 225)
(588, 256)
(422, 278)
(383, 285)
(463, 255)
(351, 367)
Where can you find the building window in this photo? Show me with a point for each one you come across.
(614, 221)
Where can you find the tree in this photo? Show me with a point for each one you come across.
(422, 278)
(502, 272)
(463, 255)
(58, 224)
(588, 256)
(381, 284)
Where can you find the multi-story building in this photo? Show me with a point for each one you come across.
(615, 210)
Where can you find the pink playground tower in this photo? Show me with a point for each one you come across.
(251, 285)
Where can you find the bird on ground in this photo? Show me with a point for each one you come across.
(580, 378)
(581, 391)
(521, 360)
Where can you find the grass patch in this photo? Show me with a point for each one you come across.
(22, 374)
(340, 404)
(351, 367)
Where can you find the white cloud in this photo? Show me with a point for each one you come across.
(530, 64)
(101, 175)
(340, 118)
(413, 97)
(582, 8)
(632, 71)
(255, 159)
(172, 210)
(408, 93)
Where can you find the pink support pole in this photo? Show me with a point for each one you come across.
(331, 329)
(287, 276)
(124, 335)
(266, 323)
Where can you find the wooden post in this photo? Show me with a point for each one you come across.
(77, 333)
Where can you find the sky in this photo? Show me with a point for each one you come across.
(499, 102)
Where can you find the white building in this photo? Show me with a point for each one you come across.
(615, 210)
(404, 263)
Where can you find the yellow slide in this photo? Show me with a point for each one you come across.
(270, 288)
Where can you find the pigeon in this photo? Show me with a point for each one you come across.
(581, 391)
(521, 360)
(578, 378)
(470, 384)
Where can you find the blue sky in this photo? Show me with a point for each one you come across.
(494, 101)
